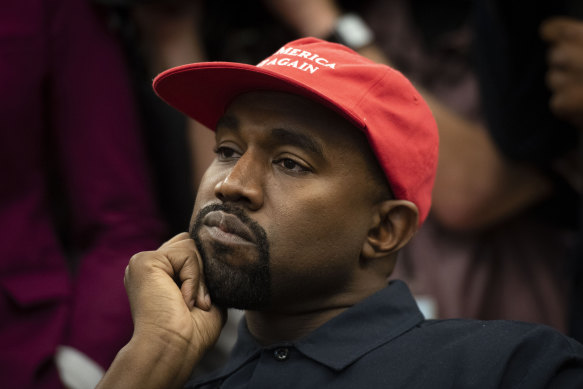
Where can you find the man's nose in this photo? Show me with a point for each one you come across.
(244, 183)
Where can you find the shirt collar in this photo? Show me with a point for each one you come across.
(375, 321)
(339, 342)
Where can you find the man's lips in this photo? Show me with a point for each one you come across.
(229, 224)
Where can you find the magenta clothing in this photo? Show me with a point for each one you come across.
(66, 104)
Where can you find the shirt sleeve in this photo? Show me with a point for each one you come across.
(544, 358)
(569, 376)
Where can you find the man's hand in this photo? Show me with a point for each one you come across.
(565, 75)
(168, 296)
(174, 320)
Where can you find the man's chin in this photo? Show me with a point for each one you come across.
(239, 302)
(236, 275)
(237, 287)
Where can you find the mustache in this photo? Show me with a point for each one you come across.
(233, 210)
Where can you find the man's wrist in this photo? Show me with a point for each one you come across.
(151, 362)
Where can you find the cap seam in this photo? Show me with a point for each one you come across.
(365, 93)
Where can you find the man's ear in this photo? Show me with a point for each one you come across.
(394, 223)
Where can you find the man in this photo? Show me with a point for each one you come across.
(324, 168)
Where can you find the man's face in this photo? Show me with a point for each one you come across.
(282, 212)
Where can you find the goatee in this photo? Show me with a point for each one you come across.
(245, 286)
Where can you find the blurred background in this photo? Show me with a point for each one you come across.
(96, 168)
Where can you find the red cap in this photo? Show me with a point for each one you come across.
(375, 98)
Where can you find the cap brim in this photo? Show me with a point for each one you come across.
(204, 90)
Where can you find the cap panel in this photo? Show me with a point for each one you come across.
(404, 138)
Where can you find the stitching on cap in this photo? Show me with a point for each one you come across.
(374, 84)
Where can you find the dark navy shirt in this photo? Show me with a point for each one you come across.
(384, 342)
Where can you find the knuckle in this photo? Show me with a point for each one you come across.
(134, 260)
(140, 259)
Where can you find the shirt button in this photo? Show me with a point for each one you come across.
(281, 353)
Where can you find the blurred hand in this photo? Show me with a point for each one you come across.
(315, 18)
(565, 59)
(168, 297)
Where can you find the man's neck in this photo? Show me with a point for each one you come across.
(270, 328)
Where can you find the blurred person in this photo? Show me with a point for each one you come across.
(565, 80)
(76, 200)
(512, 69)
(502, 230)
(324, 169)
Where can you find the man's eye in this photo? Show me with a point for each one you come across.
(290, 164)
(226, 152)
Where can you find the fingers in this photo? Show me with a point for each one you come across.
(561, 29)
(568, 105)
(178, 260)
(565, 75)
(566, 56)
(191, 278)
(187, 268)
(203, 298)
(168, 298)
(565, 36)
(186, 273)
(176, 238)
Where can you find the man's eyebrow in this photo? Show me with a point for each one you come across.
(293, 138)
(228, 121)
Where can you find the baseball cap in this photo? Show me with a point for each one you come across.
(377, 99)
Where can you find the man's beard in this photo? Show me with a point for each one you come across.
(243, 287)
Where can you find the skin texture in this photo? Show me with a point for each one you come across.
(306, 178)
